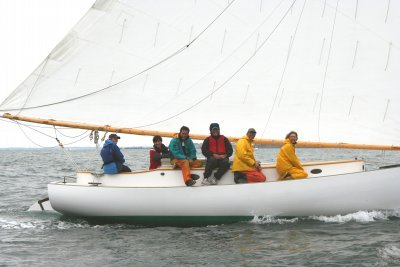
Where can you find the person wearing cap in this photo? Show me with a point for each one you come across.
(183, 155)
(217, 149)
(245, 167)
(287, 163)
(160, 151)
(113, 159)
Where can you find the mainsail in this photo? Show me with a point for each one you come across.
(328, 69)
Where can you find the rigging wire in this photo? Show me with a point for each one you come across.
(45, 127)
(34, 85)
(284, 70)
(51, 137)
(177, 52)
(222, 62)
(228, 79)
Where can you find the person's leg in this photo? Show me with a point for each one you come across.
(255, 176)
(196, 164)
(211, 164)
(183, 164)
(297, 173)
(223, 166)
(239, 177)
(125, 169)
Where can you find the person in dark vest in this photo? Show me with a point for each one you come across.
(159, 152)
(217, 149)
(113, 159)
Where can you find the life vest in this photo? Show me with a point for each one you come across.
(217, 146)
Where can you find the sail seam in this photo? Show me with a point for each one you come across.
(325, 73)
(228, 79)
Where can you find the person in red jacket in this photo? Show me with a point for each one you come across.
(217, 149)
(160, 151)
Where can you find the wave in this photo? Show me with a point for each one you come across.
(6, 224)
(390, 253)
(360, 216)
(272, 220)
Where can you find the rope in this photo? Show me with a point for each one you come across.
(222, 62)
(228, 79)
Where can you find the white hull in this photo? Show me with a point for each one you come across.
(162, 193)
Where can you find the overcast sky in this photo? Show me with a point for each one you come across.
(30, 30)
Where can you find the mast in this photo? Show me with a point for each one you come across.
(124, 130)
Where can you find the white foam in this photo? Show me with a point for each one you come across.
(272, 220)
(61, 225)
(390, 253)
(360, 216)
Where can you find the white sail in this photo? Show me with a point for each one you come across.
(328, 69)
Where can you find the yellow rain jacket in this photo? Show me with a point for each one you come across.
(244, 155)
(287, 162)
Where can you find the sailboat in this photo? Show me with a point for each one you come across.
(327, 69)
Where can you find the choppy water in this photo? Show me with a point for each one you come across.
(48, 239)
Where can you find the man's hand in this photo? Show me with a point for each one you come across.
(257, 165)
(219, 156)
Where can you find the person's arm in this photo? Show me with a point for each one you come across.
(155, 155)
(290, 154)
(192, 150)
(228, 147)
(117, 154)
(244, 152)
(205, 148)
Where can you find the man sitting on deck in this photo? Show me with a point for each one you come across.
(287, 163)
(245, 167)
(112, 157)
(183, 155)
(217, 149)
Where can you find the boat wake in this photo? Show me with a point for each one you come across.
(360, 216)
(273, 220)
(390, 253)
(7, 224)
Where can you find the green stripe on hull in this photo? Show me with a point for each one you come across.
(169, 220)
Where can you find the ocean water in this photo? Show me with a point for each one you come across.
(48, 239)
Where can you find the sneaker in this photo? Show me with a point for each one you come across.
(205, 181)
(190, 182)
(212, 180)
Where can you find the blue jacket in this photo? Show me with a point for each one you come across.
(187, 151)
(112, 157)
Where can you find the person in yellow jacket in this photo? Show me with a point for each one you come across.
(287, 163)
(245, 167)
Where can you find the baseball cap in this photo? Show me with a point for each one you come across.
(112, 136)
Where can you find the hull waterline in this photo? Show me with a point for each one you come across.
(324, 195)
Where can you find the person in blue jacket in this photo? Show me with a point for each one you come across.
(113, 159)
